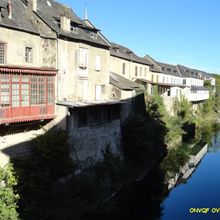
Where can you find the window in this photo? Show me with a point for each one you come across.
(2, 53)
(97, 63)
(74, 27)
(184, 82)
(25, 90)
(50, 91)
(140, 71)
(15, 91)
(152, 78)
(22, 90)
(99, 91)
(38, 88)
(57, 22)
(4, 90)
(136, 70)
(83, 58)
(123, 68)
(93, 35)
(28, 54)
(157, 79)
(145, 72)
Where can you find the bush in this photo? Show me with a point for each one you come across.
(174, 160)
(8, 197)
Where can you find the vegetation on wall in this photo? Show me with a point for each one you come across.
(8, 195)
(192, 127)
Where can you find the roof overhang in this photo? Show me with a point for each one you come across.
(83, 104)
(28, 70)
(123, 83)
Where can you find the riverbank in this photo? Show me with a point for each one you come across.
(187, 169)
(200, 190)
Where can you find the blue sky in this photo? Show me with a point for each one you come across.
(174, 31)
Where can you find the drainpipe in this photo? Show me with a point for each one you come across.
(57, 67)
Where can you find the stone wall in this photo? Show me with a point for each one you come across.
(88, 144)
(16, 145)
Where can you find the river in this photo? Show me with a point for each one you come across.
(199, 197)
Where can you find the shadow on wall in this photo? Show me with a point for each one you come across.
(90, 130)
(42, 175)
(16, 139)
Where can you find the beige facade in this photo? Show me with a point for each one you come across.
(83, 72)
(42, 51)
(129, 69)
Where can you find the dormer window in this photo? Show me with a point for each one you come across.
(57, 21)
(73, 27)
(128, 52)
(93, 35)
(116, 49)
(163, 68)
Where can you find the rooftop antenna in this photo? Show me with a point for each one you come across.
(86, 13)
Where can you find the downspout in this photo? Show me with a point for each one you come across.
(57, 67)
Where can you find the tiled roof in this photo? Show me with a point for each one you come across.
(20, 19)
(155, 66)
(169, 69)
(125, 53)
(50, 12)
(191, 73)
(123, 83)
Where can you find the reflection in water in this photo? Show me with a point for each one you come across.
(215, 146)
(200, 191)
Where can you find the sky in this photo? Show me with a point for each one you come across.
(183, 32)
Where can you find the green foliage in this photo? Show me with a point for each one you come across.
(8, 197)
(207, 84)
(175, 158)
(157, 110)
(205, 120)
(142, 138)
(155, 107)
(184, 111)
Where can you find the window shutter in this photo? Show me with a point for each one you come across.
(83, 58)
(97, 63)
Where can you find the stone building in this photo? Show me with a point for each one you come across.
(54, 65)
(28, 60)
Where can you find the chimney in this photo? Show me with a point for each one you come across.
(64, 23)
(9, 9)
(34, 5)
(0, 13)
